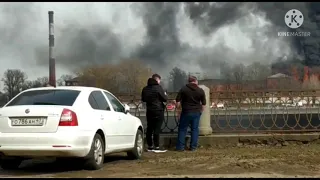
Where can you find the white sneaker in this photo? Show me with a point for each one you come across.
(159, 150)
(150, 149)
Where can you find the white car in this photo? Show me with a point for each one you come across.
(81, 123)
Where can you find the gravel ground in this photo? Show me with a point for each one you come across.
(249, 161)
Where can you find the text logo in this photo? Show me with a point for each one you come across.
(293, 18)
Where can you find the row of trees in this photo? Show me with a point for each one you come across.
(131, 76)
(128, 77)
(15, 81)
(240, 73)
(125, 77)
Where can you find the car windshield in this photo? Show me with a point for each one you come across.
(46, 97)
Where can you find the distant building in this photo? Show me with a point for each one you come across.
(72, 82)
(282, 81)
(77, 81)
(222, 84)
(276, 81)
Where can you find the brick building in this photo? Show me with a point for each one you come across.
(282, 81)
(80, 82)
(276, 81)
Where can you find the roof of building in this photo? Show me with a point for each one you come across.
(76, 79)
(279, 75)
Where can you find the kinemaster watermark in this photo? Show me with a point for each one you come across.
(294, 19)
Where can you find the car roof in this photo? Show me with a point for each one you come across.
(77, 88)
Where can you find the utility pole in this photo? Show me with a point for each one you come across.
(52, 63)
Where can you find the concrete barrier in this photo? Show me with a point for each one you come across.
(205, 120)
(234, 140)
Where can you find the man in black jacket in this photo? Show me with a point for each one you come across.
(192, 99)
(154, 96)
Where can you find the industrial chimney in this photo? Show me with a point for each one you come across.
(52, 63)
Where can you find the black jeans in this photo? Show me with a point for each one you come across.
(154, 122)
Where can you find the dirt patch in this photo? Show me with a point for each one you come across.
(246, 175)
(285, 161)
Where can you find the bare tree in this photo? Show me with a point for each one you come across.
(3, 99)
(239, 75)
(104, 76)
(178, 78)
(258, 71)
(133, 75)
(226, 74)
(39, 82)
(129, 76)
(13, 80)
(257, 74)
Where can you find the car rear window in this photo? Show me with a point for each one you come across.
(46, 97)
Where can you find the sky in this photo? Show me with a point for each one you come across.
(163, 35)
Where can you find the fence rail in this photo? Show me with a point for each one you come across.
(249, 111)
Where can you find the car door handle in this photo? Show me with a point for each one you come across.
(102, 117)
(119, 118)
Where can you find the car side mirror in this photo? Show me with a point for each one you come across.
(126, 108)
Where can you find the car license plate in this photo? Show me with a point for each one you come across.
(27, 122)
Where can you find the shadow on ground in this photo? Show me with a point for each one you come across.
(47, 167)
(267, 161)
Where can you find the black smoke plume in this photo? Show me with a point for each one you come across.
(80, 44)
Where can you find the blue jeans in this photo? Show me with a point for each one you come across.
(187, 119)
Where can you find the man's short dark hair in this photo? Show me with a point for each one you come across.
(192, 79)
(156, 76)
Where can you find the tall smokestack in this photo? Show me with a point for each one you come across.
(52, 63)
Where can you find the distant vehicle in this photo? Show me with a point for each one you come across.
(134, 106)
(81, 123)
(171, 107)
(299, 104)
(288, 105)
(219, 105)
(294, 104)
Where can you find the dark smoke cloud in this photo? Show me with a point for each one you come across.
(162, 39)
(221, 14)
(18, 22)
(209, 16)
(81, 44)
(307, 47)
(98, 44)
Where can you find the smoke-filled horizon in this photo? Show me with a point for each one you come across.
(192, 36)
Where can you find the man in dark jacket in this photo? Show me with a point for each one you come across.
(154, 96)
(192, 99)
